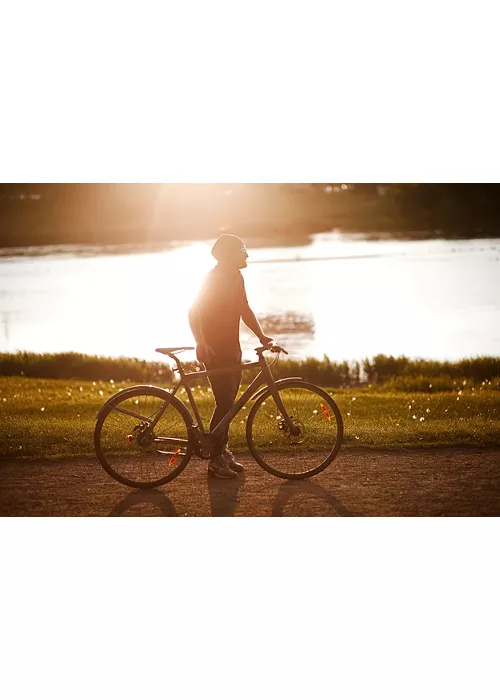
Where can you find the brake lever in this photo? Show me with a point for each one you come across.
(278, 348)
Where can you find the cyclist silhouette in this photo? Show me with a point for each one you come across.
(215, 322)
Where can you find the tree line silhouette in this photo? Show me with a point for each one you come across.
(46, 213)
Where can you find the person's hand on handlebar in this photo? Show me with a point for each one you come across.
(269, 344)
(266, 340)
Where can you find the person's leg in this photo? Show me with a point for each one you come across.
(227, 454)
(225, 388)
(234, 381)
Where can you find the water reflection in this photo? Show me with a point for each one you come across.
(5, 325)
(352, 297)
(287, 322)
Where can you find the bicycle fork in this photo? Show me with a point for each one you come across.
(294, 430)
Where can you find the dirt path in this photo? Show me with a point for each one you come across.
(449, 482)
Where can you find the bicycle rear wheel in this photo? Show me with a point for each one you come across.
(129, 452)
(319, 422)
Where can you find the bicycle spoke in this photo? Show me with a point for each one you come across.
(129, 449)
(273, 442)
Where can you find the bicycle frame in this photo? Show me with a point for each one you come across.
(264, 377)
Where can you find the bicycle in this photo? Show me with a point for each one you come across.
(145, 436)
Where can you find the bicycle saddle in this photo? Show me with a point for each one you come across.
(167, 351)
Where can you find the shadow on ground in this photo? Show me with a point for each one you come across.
(224, 495)
(290, 500)
(291, 490)
(156, 498)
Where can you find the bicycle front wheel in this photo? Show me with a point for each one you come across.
(318, 423)
(126, 447)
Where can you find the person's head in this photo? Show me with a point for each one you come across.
(230, 251)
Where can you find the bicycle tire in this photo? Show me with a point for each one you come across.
(318, 406)
(103, 452)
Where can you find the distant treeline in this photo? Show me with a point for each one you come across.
(103, 214)
(398, 373)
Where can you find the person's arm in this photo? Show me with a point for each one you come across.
(250, 320)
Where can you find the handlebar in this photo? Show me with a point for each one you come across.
(272, 347)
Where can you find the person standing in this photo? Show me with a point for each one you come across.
(214, 318)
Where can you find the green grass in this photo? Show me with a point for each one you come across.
(374, 417)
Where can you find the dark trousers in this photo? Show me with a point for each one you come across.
(225, 388)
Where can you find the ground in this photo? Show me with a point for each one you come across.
(412, 482)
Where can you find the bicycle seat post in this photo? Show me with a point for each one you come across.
(180, 368)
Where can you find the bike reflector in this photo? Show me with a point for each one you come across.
(174, 456)
(326, 412)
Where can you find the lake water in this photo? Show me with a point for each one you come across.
(345, 296)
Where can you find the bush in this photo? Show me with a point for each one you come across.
(383, 368)
(77, 366)
(401, 373)
(420, 384)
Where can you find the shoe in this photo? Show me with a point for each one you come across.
(231, 461)
(217, 467)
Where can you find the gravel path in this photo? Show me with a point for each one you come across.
(421, 482)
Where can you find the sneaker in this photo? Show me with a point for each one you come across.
(231, 461)
(217, 467)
